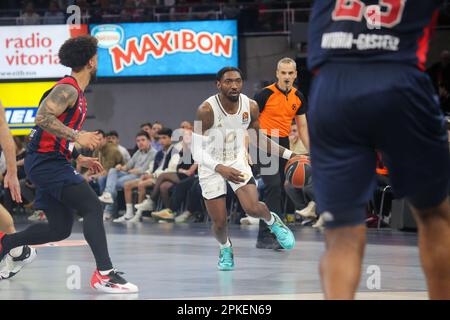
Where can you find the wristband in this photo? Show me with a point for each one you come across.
(287, 154)
(75, 154)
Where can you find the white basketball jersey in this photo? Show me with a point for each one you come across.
(227, 138)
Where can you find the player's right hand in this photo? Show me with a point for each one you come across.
(230, 173)
(90, 140)
(12, 183)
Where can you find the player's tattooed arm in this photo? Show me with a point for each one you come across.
(259, 138)
(58, 100)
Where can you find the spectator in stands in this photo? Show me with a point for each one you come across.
(109, 156)
(54, 14)
(147, 127)
(113, 137)
(295, 143)
(29, 17)
(154, 136)
(185, 168)
(163, 162)
(122, 173)
(186, 125)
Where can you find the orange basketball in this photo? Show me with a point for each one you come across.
(298, 171)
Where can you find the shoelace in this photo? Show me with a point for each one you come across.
(227, 255)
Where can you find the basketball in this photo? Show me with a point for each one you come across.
(298, 171)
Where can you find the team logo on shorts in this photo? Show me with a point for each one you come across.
(245, 176)
(245, 117)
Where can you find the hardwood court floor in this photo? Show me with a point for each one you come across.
(170, 261)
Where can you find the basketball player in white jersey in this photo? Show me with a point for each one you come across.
(220, 149)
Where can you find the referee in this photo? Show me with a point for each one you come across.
(279, 104)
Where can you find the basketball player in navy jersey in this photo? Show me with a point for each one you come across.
(370, 93)
(60, 188)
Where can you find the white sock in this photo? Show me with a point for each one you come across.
(16, 252)
(226, 245)
(129, 211)
(105, 272)
(271, 221)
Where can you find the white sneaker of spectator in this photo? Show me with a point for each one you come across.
(249, 220)
(319, 223)
(137, 217)
(126, 217)
(309, 211)
(106, 197)
(146, 205)
(183, 217)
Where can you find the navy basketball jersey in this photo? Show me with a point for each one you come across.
(73, 117)
(371, 30)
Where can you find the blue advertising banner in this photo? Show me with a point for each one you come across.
(166, 48)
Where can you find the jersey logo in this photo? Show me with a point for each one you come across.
(294, 106)
(244, 117)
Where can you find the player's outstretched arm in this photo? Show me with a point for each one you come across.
(260, 140)
(59, 99)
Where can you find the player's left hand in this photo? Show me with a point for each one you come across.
(92, 164)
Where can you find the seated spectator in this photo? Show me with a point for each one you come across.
(295, 143)
(109, 156)
(154, 136)
(185, 168)
(147, 127)
(164, 161)
(54, 14)
(113, 137)
(304, 198)
(29, 17)
(186, 125)
(131, 171)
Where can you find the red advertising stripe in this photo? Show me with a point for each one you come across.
(78, 30)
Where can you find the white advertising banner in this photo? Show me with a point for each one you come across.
(31, 52)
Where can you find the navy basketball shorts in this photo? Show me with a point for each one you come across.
(358, 109)
(50, 173)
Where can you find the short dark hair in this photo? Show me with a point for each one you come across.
(143, 133)
(112, 133)
(165, 132)
(224, 70)
(76, 52)
(146, 124)
(101, 132)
